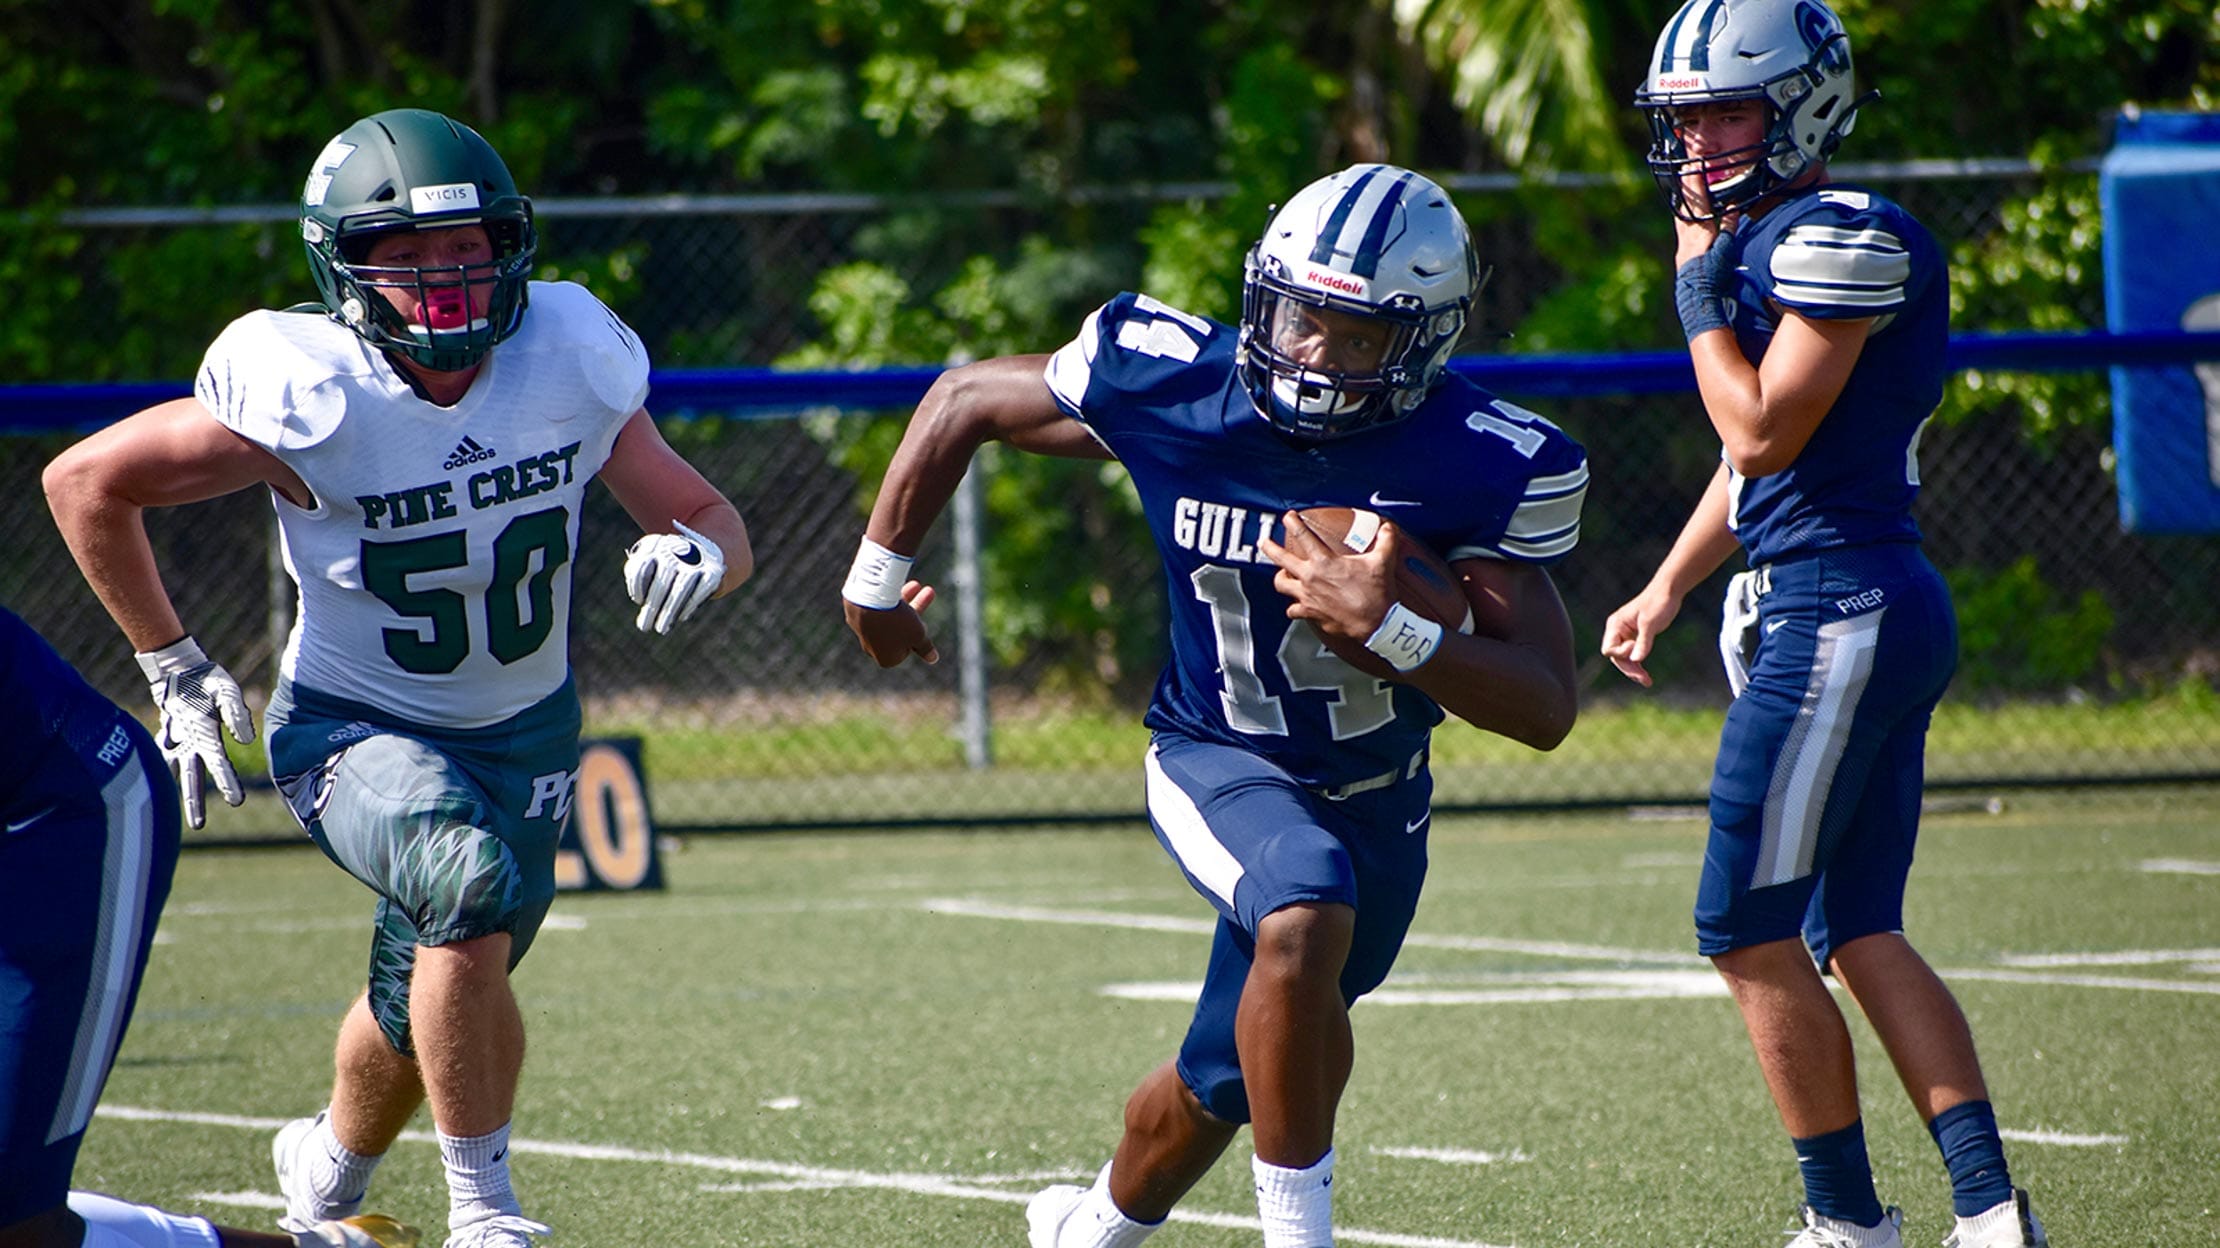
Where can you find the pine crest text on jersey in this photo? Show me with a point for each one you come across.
(505, 483)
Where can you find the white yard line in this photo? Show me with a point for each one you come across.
(980, 908)
(1454, 1156)
(2180, 866)
(2043, 1135)
(786, 1175)
(2115, 957)
(1573, 985)
(2084, 981)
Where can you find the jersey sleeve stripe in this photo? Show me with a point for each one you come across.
(1072, 367)
(1546, 523)
(1550, 548)
(1821, 266)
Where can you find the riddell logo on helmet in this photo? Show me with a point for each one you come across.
(1677, 84)
(1333, 281)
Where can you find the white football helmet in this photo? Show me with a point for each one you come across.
(1353, 300)
(1791, 55)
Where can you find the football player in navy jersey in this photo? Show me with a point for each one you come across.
(88, 842)
(1290, 788)
(426, 435)
(1817, 314)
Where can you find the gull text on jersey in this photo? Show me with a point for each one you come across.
(505, 483)
(1220, 530)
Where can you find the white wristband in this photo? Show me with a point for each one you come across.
(875, 579)
(174, 657)
(1405, 638)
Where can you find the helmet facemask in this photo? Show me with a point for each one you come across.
(1348, 391)
(466, 309)
(1353, 301)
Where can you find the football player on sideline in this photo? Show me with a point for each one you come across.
(424, 727)
(1817, 314)
(85, 863)
(1290, 788)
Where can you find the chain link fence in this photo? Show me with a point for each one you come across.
(2089, 654)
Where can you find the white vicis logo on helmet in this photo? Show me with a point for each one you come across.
(447, 198)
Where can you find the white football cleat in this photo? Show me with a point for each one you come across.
(2006, 1224)
(1821, 1231)
(1047, 1212)
(369, 1230)
(507, 1230)
(304, 1209)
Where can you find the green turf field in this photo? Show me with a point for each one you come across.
(893, 1038)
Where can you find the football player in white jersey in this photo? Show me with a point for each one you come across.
(424, 727)
(1817, 314)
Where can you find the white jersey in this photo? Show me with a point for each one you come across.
(434, 565)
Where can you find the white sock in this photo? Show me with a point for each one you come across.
(2005, 1213)
(112, 1223)
(477, 1176)
(1099, 1223)
(335, 1173)
(1296, 1206)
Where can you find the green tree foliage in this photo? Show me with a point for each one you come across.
(109, 104)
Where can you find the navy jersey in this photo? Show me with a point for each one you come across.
(1837, 253)
(1466, 472)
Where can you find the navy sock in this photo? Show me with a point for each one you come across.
(1838, 1179)
(1966, 1134)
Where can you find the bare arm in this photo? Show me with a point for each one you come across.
(999, 400)
(99, 490)
(1512, 675)
(1704, 543)
(657, 487)
(1765, 413)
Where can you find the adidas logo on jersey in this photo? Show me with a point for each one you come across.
(467, 451)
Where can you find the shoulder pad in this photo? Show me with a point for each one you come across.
(567, 318)
(267, 377)
(1839, 257)
(1130, 345)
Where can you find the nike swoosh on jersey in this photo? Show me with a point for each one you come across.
(1378, 501)
(17, 825)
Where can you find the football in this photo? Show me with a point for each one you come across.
(1424, 583)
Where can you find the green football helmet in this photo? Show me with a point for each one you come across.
(412, 169)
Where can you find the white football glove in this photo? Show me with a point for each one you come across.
(194, 695)
(670, 575)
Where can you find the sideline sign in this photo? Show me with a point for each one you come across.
(609, 841)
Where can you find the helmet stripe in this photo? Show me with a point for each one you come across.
(1693, 54)
(1329, 237)
(1366, 264)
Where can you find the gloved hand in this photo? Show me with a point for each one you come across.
(194, 695)
(671, 575)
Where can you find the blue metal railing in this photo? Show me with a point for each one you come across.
(771, 393)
